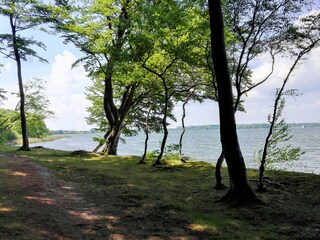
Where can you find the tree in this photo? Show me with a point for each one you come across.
(254, 27)
(36, 109)
(148, 118)
(176, 56)
(240, 191)
(105, 31)
(301, 38)
(189, 95)
(21, 16)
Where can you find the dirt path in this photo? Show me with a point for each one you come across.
(39, 205)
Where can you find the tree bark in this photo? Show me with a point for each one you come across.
(240, 191)
(219, 183)
(116, 117)
(183, 125)
(164, 122)
(111, 144)
(146, 131)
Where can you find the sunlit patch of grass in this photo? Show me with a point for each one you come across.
(6, 209)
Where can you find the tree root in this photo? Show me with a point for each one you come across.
(243, 197)
(271, 183)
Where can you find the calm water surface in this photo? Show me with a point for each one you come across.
(202, 143)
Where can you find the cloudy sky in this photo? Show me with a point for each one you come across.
(66, 87)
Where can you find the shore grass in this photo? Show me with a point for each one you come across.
(290, 208)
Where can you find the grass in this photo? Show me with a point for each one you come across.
(291, 208)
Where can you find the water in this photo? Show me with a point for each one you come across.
(203, 143)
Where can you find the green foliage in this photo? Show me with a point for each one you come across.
(10, 125)
(24, 16)
(8, 137)
(36, 100)
(278, 151)
(171, 154)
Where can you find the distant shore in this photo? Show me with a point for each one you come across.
(44, 139)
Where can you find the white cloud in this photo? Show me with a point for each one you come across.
(70, 112)
(305, 78)
(205, 113)
(63, 79)
(65, 89)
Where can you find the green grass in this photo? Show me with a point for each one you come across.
(291, 205)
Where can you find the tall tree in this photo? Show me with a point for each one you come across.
(104, 32)
(254, 27)
(240, 191)
(177, 47)
(21, 16)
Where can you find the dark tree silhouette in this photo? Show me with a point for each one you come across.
(240, 191)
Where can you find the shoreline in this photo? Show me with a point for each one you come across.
(49, 138)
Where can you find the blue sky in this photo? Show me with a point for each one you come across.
(66, 87)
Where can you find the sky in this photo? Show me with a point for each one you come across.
(65, 88)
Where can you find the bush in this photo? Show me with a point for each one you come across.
(8, 137)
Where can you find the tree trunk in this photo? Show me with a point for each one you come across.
(146, 131)
(116, 117)
(145, 147)
(277, 101)
(164, 123)
(219, 183)
(240, 191)
(164, 139)
(111, 144)
(24, 130)
(183, 125)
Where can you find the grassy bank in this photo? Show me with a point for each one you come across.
(175, 193)
(39, 140)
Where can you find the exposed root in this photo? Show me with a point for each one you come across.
(220, 186)
(271, 183)
(242, 197)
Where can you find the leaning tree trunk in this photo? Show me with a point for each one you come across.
(277, 101)
(146, 131)
(24, 130)
(240, 191)
(183, 125)
(164, 138)
(164, 123)
(142, 160)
